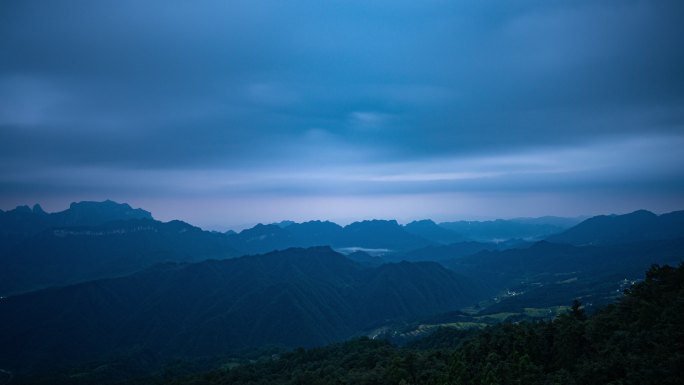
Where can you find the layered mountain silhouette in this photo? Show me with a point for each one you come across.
(25, 221)
(93, 240)
(389, 235)
(295, 297)
(503, 229)
(102, 280)
(64, 255)
(640, 225)
(431, 231)
(550, 274)
(372, 234)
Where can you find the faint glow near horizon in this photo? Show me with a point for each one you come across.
(225, 114)
(238, 213)
(532, 183)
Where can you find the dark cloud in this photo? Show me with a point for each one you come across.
(248, 91)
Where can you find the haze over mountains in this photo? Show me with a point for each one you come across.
(41, 249)
(302, 174)
(105, 239)
(103, 280)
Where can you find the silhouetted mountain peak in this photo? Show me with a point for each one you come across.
(181, 226)
(374, 223)
(319, 222)
(635, 226)
(315, 232)
(381, 234)
(261, 232)
(316, 225)
(260, 227)
(284, 224)
(428, 229)
(297, 263)
(38, 210)
(422, 222)
(108, 210)
(25, 221)
(642, 214)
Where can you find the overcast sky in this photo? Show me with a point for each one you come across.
(228, 113)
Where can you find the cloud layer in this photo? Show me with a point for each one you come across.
(420, 105)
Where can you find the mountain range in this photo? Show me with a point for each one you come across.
(295, 297)
(24, 221)
(93, 240)
(502, 229)
(372, 234)
(102, 280)
(64, 255)
(640, 225)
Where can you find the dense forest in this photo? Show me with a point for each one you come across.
(638, 340)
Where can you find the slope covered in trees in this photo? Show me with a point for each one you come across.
(638, 340)
(548, 274)
(290, 298)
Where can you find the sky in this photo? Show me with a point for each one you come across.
(229, 113)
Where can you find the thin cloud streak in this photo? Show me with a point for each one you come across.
(610, 163)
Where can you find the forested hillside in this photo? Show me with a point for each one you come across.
(639, 340)
(296, 297)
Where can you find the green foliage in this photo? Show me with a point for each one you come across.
(636, 341)
(295, 297)
(639, 340)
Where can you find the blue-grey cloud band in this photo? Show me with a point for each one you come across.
(352, 100)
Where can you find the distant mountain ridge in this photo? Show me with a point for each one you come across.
(503, 229)
(23, 222)
(93, 240)
(131, 285)
(65, 255)
(295, 297)
(429, 230)
(637, 226)
(26, 221)
(390, 235)
(366, 234)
